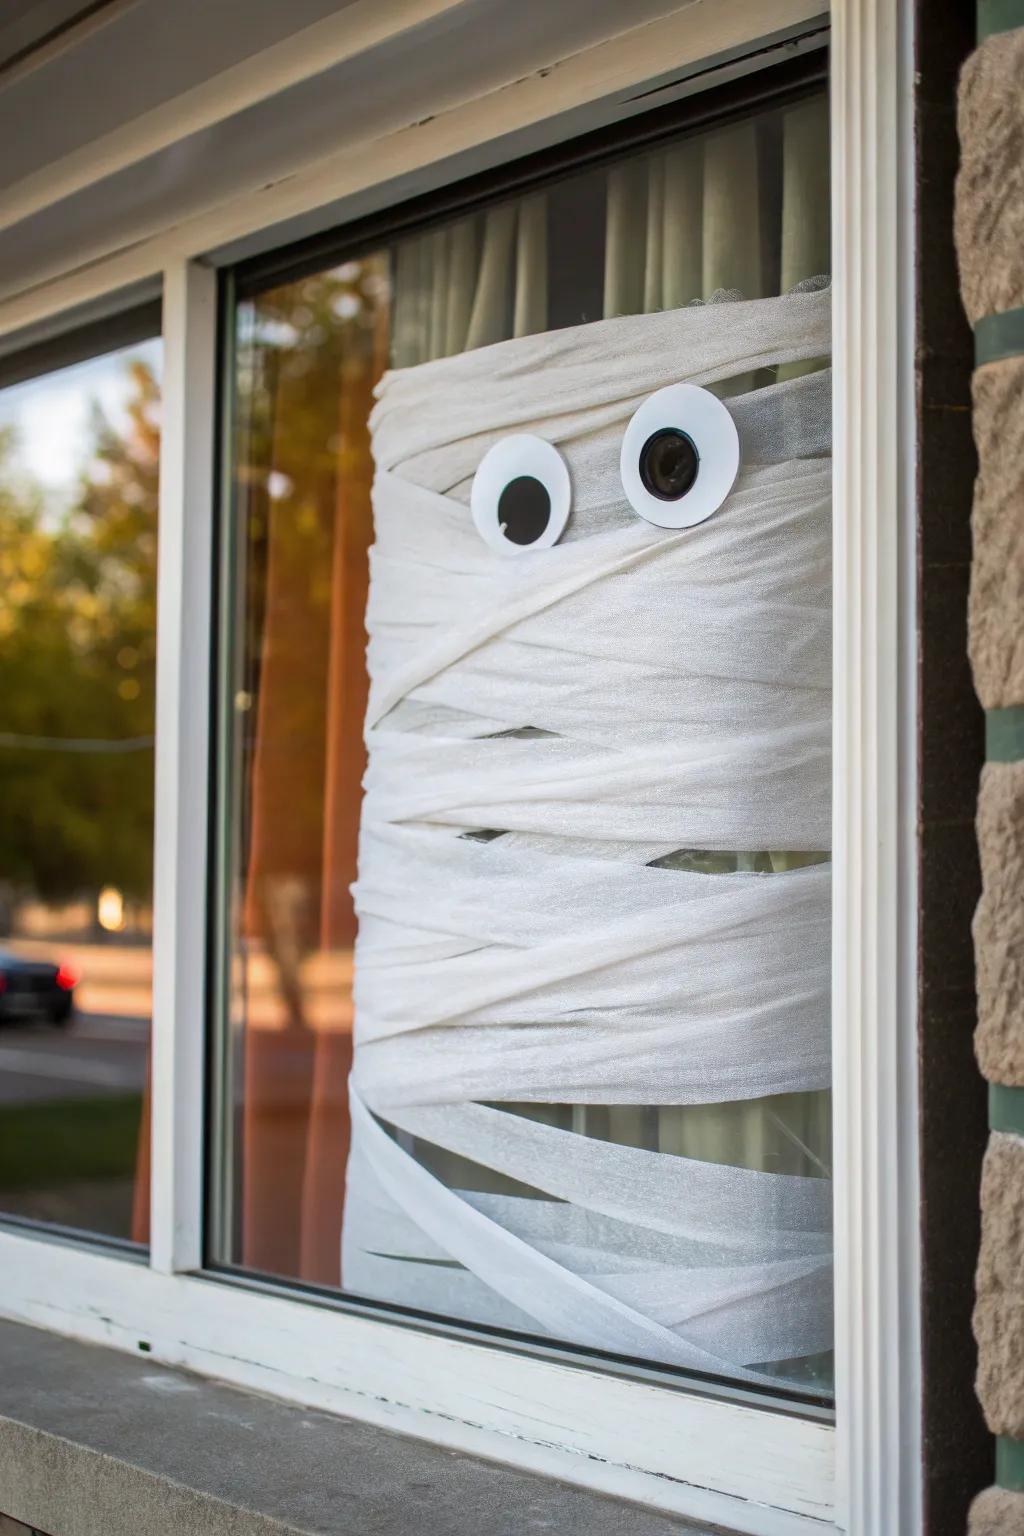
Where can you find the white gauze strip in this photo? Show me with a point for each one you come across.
(599, 704)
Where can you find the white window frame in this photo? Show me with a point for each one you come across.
(729, 1461)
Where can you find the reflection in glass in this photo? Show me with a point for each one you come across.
(79, 455)
(308, 356)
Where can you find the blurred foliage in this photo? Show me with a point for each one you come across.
(308, 355)
(78, 601)
(77, 664)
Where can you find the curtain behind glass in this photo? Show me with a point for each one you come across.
(742, 212)
(481, 280)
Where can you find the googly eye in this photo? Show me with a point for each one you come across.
(521, 496)
(680, 456)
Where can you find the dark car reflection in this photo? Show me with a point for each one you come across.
(36, 989)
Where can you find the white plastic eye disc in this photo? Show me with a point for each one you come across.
(680, 456)
(521, 496)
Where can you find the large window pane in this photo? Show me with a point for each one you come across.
(433, 1188)
(79, 454)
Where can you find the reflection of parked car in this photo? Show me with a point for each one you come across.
(35, 989)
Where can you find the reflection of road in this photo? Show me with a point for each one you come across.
(115, 982)
(99, 1056)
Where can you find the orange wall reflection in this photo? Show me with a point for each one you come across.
(318, 348)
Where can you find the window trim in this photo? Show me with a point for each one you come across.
(875, 902)
(776, 84)
(754, 1469)
(182, 798)
(123, 328)
(573, 94)
(700, 1457)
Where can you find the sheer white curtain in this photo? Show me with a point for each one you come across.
(468, 284)
(685, 223)
(744, 210)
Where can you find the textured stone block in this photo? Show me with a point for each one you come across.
(997, 1512)
(990, 185)
(999, 925)
(999, 1308)
(996, 610)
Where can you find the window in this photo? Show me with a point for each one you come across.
(79, 453)
(635, 1159)
(402, 270)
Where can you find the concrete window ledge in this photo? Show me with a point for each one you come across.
(97, 1443)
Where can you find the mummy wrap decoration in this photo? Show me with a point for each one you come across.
(599, 619)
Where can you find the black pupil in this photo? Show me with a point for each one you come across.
(524, 510)
(668, 464)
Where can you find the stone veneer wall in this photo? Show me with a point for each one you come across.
(990, 242)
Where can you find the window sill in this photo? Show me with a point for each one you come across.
(96, 1443)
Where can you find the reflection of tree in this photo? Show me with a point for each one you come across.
(311, 358)
(77, 658)
(309, 355)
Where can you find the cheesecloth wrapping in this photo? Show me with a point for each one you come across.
(540, 729)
